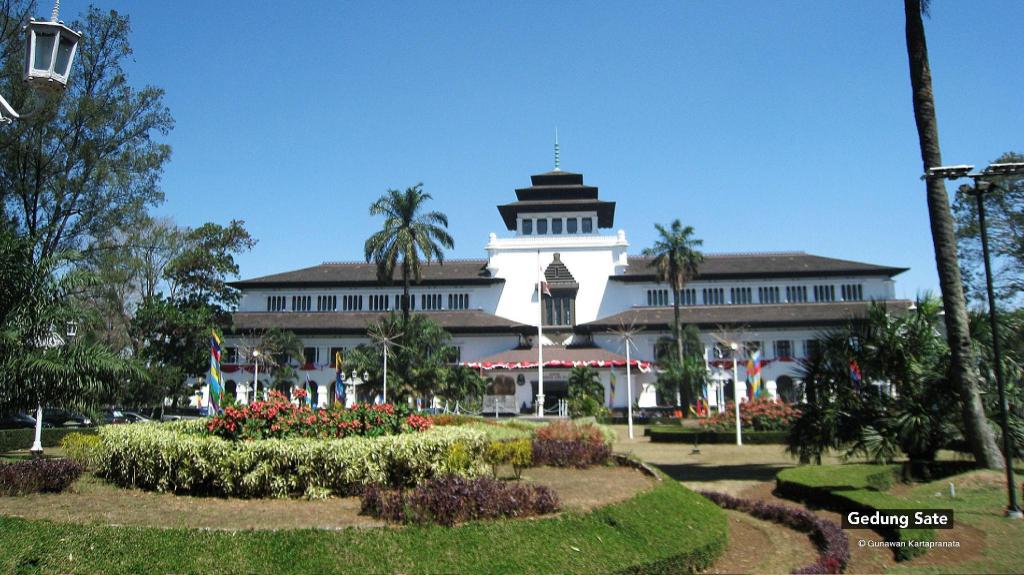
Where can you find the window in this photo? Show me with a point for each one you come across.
(527, 227)
(275, 303)
(740, 295)
(825, 293)
(310, 355)
(302, 302)
(588, 225)
(379, 302)
(229, 355)
(556, 225)
(688, 296)
(796, 294)
(811, 347)
(326, 303)
(783, 348)
(430, 301)
(352, 303)
(570, 225)
(458, 301)
(750, 347)
(714, 296)
(559, 309)
(542, 227)
(335, 351)
(657, 297)
(457, 359)
(852, 292)
(768, 294)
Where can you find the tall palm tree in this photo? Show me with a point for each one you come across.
(676, 258)
(963, 373)
(409, 236)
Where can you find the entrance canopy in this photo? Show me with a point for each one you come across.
(556, 356)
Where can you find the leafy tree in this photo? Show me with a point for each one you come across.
(90, 162)
(408, 238)
(38, 366)
(586, 394)
(676, 259)
(1004, 216)
(282, 351)
(685, 379)
(459, 383)
(963, 376)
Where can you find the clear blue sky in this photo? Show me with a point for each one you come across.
(768, 126)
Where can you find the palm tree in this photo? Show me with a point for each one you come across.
(676, 258)
(408, 237)
(963, 374)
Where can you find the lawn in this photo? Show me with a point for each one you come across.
(665, 529)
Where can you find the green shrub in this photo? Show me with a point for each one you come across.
(164, 458)
(676, 434)
(515, 452)
(499, 432)
(81, 448)
(15, 439)
(881, 481)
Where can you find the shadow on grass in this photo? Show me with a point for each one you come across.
(712, 472)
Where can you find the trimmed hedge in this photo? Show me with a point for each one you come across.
(38, 475)
(15, 439)
(668, 529)
(166, 457)
(680, 435)
(853, 487)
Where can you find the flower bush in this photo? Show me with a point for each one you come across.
(450, 500)
(179, 457)
(567, 444)
(832, 542)
(38, 475)
(758, 414)
(280, 418)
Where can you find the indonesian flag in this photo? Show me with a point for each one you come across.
(544, 289)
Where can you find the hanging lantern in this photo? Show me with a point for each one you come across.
(49, 53)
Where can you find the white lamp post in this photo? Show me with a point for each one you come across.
(50, 49)
(37, 444)
(736, 389)
(256, 375)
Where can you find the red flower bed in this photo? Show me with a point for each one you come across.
(759, 415)
(278, 418)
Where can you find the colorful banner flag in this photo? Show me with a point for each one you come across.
(611, 384)
(308, 387)
(855, 375)
(214, 379)
(754, 375)
(339, 384)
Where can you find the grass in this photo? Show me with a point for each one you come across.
(666, 529)
(979, 504)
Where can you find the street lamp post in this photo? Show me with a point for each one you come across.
(50, 49)
(37, 444)
(736, 389)
(256, 375)
(982, 185)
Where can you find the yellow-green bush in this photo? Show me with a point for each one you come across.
(81, 448)
(166, 458)
(515, 452)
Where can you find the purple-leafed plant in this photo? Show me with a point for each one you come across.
(452, 499)
(831, 540)
(38, 475)
(569, 453)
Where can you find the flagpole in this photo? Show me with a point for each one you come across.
(736, 390)
(540, 342)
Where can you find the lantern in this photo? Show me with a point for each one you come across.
(49, 53)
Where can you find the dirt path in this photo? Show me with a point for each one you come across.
(757, 546)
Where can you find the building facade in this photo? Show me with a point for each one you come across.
(559, 265)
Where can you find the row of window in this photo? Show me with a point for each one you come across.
(781, 349)
(572, 226)
(745, 295)
(310, 355)
(374, 302)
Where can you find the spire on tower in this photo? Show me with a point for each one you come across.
(557, 159)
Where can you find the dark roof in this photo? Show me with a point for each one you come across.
(355, 323)
(761, 315)
(605, 210)
(359, 274)
(558, 276)
(555, 186)
(764, 265)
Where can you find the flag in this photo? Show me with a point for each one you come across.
(611, 382)
(754, 375)
(339, 385)
(544, 289)
(309, 395)
(855, 376)
(214, 379)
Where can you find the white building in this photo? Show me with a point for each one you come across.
(775, 302)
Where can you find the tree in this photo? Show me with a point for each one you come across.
(676, 259)
(687, 378)
(1004, 215)
(38, 366)
(586, 394)
(963, 377)
(408, 238)
(90, 162)
(281, 349)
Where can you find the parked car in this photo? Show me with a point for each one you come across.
(135, 417)
(18, 421)
(114, 417)
(61, 418)
(178, 413)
